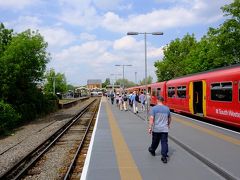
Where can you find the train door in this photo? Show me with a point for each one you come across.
(198, 97)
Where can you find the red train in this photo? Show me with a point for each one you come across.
(214, 95)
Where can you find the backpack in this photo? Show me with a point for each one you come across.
(125, 97)
(137, 98)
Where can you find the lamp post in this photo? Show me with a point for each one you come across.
(136, 77)
(115, 79)
(145, 45)
(123, 65)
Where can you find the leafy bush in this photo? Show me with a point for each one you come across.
(28, 111)
(8, 117)
(51, 96)
(39, 104)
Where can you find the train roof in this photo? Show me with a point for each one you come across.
(220, 72)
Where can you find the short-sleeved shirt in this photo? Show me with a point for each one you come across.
(142, 98)
(160, 114)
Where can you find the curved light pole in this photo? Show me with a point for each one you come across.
(145, 42)
(123, 65)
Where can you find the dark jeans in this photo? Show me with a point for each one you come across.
(112, 100)
(156, 138)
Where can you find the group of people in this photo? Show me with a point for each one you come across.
(159, 119)
(125, 101)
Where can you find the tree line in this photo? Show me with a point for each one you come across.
(220, 47)
(23, 59)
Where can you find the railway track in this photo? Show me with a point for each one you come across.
(77, 163)
(73, 132)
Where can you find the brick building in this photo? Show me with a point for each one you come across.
(94, 83)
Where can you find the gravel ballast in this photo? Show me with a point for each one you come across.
(27, 137)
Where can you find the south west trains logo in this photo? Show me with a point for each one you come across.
(228, 113)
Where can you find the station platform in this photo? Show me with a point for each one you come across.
(119, 149)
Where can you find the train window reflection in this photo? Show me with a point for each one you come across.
(158, 91)
(171, 91)
(181, 91)
(221, 91)
(154, 92)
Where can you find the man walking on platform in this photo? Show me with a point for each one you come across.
(142, 100)
(159, 123)
(134, 102)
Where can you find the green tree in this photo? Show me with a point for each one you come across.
(173, 63)
(5, 38)
(23, 60)
(220, 47)
(71, 87)
(203, 57)
(55, 82)
(127, 83)
(149, 80)
(107, 82)
(227, 36)
(22, 66)
(8, 117)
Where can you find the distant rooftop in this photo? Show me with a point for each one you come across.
(94, 81)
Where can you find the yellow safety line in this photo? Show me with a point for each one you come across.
(126, 164)
(208, 131)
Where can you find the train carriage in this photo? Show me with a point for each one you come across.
(157, 89)
(213, 95)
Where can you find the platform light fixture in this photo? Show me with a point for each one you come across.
(123, 65)
(145, 40)
(114, 79)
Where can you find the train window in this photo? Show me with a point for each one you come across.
(221, 91)
(171, 91)
(158, 91)
(149, 89)
(154, 92)
(181, 91)
(227, 85)
(215, 86)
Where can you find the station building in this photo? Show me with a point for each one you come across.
(94, 84)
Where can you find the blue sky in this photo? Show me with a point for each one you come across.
(87, 38)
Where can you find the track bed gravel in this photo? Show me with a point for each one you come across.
(28, 137)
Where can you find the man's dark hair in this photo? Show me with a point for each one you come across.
(160, 98)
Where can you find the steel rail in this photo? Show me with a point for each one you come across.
(26, 162)
(73, 163)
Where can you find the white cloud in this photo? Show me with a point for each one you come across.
(127, 43)
(25, 22)
(87, 37)
(88, 53)
(97, 58)
(87, 18)
(183, 14)
(80, 13)
(16, 4)
(161, 19)
(56, 36)
(85, 61)
(156, 53)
